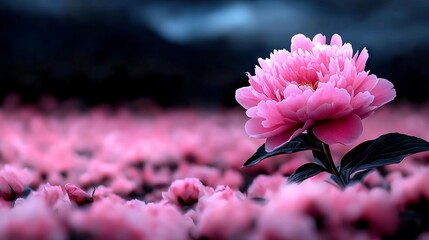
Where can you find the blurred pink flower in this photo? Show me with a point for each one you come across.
(411, 189)
(51, 194)
(103, 192)
(108, 219)
(265, 183)
(77, 195)
(226, 214)
(13, 181)
(31, 219)
(317, 85)
(186, 191)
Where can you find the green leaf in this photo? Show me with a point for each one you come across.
(321, 154)
(320, 157)
(387, 149)
(300, 143)
(337, 179)
(323, 159)
(306, 171)
(360, 175)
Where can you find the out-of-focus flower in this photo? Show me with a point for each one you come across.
(51, 194)
(298, 211)
(265, 183)
(13, 182)
(186, 192)
(30, 219)
(108, 219)
(412, 189)
(77, 195)
(106, 192)
(226, 214)
(318, 85)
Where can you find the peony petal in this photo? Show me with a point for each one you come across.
(270, 112)
(383, 92)
(252, 112)
(361, 102)
(364, 82)
(255, 129)
(329, 102)
(77, 195)
(265, 63)
(361, 60)
(294, 106)
(278, 140)
(245, 97)
(343, 130)
(300, 41)
(336, 40)
(319, 38)
(5, 189)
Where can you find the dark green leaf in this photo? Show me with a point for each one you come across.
(411, 216)
(323, 159)
(300, 143)
(321, 154)
(320, 157)
(336, 179)
(306, 171)
(360, 175)
(341, 180)
(387, 149)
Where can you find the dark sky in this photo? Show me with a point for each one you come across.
(195, 53)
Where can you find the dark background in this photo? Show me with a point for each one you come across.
(193, 53)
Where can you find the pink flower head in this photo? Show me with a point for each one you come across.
(186, 191)
(31, 219)
(51, 194)
(78, 196)
(13, 181)
(318, 85)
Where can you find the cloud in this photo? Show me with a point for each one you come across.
(391, 27)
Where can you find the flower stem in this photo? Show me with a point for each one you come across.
(322, 154)
(331, 165)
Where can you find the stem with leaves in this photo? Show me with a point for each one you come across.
(355, 165)
(331, 166)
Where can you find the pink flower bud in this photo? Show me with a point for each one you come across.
(13, 181)
(77, 195)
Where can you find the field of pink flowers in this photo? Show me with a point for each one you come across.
(176, 174)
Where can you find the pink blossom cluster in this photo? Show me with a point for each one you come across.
(292, 211)
(149, 148)
(162, 174)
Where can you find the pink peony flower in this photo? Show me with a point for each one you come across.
(78, 196)
(186, 191)
(226, 214)
(51, 194)
(13, 181)
(265, 183)
(31, 219)
(318, 85)
(108, 219)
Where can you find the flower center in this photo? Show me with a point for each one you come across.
(313, 85)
